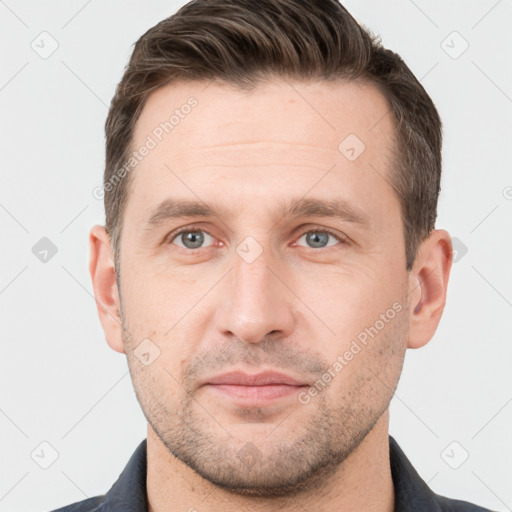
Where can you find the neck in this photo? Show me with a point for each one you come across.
(362, 482)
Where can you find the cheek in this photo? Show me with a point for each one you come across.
(155, 389)
(370, 363)
(368, 317)
(170, 310)
(155, 299)
(348, 300)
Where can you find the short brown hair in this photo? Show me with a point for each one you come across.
(241, 42)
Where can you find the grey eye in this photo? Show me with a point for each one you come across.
(191, 239)
(318, 239)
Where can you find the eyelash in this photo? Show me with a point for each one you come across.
(175, 234)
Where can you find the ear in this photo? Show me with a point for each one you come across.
(106, 293)
(428, 284)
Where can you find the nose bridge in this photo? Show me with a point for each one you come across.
(257, 302)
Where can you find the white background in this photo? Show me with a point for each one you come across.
(60, 381)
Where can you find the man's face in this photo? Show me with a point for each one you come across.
(251, 289)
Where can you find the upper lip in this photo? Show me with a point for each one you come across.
(260, 379)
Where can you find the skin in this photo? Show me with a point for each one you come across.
(294, 309)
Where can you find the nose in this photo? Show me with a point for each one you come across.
(256, 302)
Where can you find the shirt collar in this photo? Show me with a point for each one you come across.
(411, 492)
(128, 494)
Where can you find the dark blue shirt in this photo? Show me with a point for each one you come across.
(412, 494)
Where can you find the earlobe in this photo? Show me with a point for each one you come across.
(106, 293)
(428, 287)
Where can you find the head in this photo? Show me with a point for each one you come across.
(271, 185)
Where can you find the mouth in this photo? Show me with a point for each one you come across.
(255, 395)
(254, 390)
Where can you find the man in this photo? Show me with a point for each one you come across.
(269, 254)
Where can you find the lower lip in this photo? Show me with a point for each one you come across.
(256, 394)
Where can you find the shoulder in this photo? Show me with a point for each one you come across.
(127, 493)
(451, 505)
(412, 492)
(88, 505)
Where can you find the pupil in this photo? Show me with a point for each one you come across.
(193, 239)
(317, 238)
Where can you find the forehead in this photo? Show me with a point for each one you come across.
(204, 136)
(316, 113)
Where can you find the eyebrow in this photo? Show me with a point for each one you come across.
(301, 207)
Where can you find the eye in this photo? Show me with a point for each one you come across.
(191, 238)
(318, 238)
